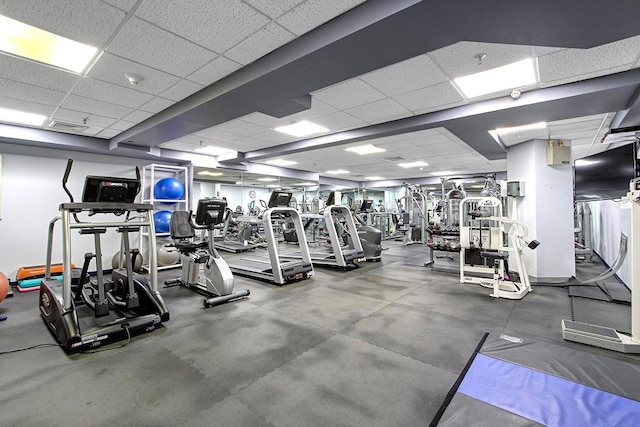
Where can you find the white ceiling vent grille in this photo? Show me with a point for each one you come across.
(66, 126)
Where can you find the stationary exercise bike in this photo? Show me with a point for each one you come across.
(203, 269)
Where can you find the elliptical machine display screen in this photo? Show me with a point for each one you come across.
(110, 189)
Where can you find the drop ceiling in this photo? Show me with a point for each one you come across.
(224, 74)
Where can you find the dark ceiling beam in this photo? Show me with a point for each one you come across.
(375, 34)
(472, 122)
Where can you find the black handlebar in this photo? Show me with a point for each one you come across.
(66, 177)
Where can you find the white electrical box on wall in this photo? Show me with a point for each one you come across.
(558, 154)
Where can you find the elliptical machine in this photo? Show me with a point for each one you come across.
(203, 269)
(83, 313)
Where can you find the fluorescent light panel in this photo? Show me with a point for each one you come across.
(267, 179)
(337, 172)
(413, 164)
(523, 128)
(374, 178)
(209, 173)
(20, 117)
(281, 162)
(444, 173)
(301, 128)
(19, 39)
(365, 149)
(211, 150)
(514, 75)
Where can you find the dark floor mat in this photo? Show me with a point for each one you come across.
(589, 291)
(616, 316)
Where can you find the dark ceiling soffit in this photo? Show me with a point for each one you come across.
(265, 74)
(376, 34)
(472, 122)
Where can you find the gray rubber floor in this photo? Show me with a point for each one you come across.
(377, 346)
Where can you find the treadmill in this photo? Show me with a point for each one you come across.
(339, 255)
(227, 243)
(276, 269)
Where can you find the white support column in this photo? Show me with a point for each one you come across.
(546, 209)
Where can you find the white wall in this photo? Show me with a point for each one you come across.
(608, 220)
(31, 193)
(546, 208)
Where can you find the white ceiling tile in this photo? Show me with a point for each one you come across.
(422, 134)
(216, 25)
(318, 109)
(313, 13)
(181, 90)
(87, 21)
(446, 149)
(107, 133)
(26, 106)
(383, 110)
(157, 104)
(578, 64)
(274, 9)
(111, 68)
(430, 98)
(27, 92)
(218, 134)
(261, 119)
(121, 125)
(137, 116)
(214, 71)
(178, 146)
(91, 106)
(339, 121)
(145, 43)
(79, 117)
(122, 4)
(265, 40)
(35, 74)
(242, 127)
(274, 137)
(108, 92)
(405, 76)
(348, 94)
(458, 59)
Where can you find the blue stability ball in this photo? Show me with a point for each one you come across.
(168, 189)
(162, 221)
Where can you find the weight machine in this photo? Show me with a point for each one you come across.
(480, 244)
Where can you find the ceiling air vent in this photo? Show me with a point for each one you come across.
(66, 126)
(394, 159)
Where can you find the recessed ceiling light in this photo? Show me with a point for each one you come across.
(365, 149)
(33, 43)
(523, 128)
(267, 179)
(517, 74)
(273, 186)
(413, 164)
(301, 128)
(281, 162)
(444, 173)
(209, 173)
(337, 172)
(239, 182)
(211, 150)
(20, 117)
(374, 178)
